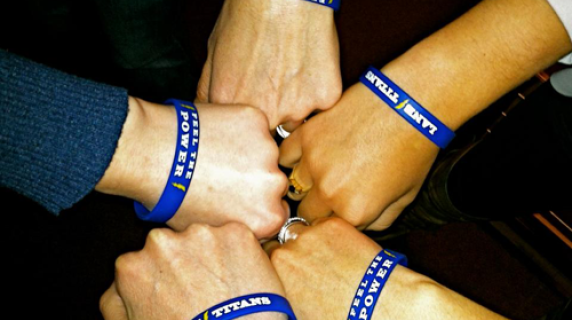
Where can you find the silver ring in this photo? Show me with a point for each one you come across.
(282, 132)
(292, 221)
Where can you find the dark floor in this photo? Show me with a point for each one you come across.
(58, 267)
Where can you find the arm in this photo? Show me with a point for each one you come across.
(62, 136)
(281, 56)
(230, 182)
(331, 257)
(180, 275)
(381, 161)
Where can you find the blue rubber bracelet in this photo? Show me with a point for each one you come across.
(183, 165)
(372, 283)
(407, 107)
(245, 305)
(334, 4)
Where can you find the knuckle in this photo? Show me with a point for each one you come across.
(271, 153)
(334, 223)
(329, 96)
(270, 224)
(326, 191)
(279, 258)
(256, 116)
(200, 231)
(159, 237)
(237, 229)
(358, 212)
(126, 265)
(280, 181)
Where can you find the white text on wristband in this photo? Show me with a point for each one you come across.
(249, 304)
(407, 107)
(186, 154)
(372, 283)
(334, 4)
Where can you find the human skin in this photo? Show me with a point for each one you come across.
(179, 275)
(323, 266)
(236, 176)
(362, 162)
(281, 56)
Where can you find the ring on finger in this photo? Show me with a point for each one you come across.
(284, 235)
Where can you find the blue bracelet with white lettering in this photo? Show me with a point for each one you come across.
(372, 283)
(408, 108)
(249, 304)
(183, 165)
(334, 4)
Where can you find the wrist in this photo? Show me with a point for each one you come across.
(422, 77)
(141, 163)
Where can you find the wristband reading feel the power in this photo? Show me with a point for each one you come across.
(183, 165)
(334, 4)
(372, 283)
(245, 305)
(407, 108)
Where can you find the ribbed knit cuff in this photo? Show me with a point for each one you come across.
(58, 132)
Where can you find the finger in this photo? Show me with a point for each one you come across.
(111, 305)
(203, 87)
(291, 150)
(292, 125)
(312, 207)
(270, 246)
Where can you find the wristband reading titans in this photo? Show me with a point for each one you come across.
(245, 305)
(183, 165)
(407, 108)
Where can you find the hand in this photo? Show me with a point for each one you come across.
(236, 176)
(179, 275)
(362, 161)
(279, 56)
(322, 268)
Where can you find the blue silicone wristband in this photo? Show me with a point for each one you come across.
(245, 305)
(372, 283)
(407, 107)
(334, 4)
(183, 165)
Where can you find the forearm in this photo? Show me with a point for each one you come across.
(461, 69)
(409, 295)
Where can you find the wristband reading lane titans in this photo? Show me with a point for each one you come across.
(183, 165)
(372, 283)
(408, 108)
(334, 4)
(245, 305)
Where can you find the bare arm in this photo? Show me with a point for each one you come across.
(379, 161)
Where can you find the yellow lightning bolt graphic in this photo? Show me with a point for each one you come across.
(206, 316)
(389, 254)
(187, 107)
(180, 187)
(401, 105)
(330, 2)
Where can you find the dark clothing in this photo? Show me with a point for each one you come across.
(58, 132)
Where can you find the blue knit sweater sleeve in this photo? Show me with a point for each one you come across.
(58, 132)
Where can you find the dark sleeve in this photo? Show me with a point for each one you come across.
(58, 132)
